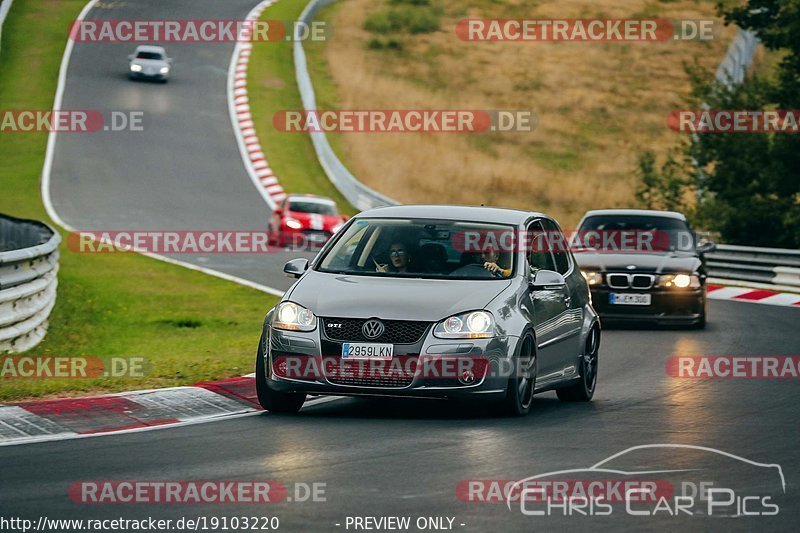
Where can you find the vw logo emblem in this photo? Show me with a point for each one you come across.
(372, 329)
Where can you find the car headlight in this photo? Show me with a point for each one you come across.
(294, 224)
(592, 278)
(294, 317)
(136, 68)
(164, 70)
(472, 325)
(681, 281)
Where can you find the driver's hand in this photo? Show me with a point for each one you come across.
(491, 267)
(381, 268)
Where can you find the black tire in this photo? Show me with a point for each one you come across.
(583, 389)
(270, 399)
(521, 385)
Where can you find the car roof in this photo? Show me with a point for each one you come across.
(639, 212)
(452, 212)
(150, 48)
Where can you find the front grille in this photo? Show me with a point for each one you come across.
(369, 374)
(617, 281)
(632, 281)
(396, 331)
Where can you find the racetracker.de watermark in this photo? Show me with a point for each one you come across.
(69, 121)
(176, 242)
(197, 31)
(405, 121)
(587, 30)
(734, 121)
(734, 366)
(72, 367)
(629, 241)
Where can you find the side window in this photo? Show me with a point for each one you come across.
(558, 245)
(539, 257)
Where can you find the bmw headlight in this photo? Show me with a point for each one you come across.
(293, 223)
(294, 317)
(472, 325)
(680, 281)
(164, 70)
(136, 68)
(592, 278)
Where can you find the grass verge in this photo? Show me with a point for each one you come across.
(599, 104)
(186, 325)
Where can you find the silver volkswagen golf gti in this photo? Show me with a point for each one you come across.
(444, 302)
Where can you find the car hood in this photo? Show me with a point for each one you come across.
(653, 263)
(345, 296)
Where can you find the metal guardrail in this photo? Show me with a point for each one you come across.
(358, 194)
(28, 280)
(5, 6)
(738, 59)
(763, 265)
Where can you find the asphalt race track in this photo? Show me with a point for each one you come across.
(183, 171)
(375, 457)
(407, 457)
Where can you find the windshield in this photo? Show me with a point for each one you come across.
(149, 55)
(314, 208)
(417, 248)
(665, 233)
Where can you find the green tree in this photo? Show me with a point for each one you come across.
(748, 184)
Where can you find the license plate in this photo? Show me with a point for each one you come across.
(357, 350)
(616, 298)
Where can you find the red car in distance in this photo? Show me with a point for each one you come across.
(304, 221)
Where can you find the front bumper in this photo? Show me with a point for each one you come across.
(667, 306)
(434, 364)
(142, 76)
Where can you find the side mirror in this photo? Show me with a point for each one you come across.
(547, 280)
(169, 60)
(705, 247)
(345, 218)
(277, 211)
(296, 267)
(130, 57)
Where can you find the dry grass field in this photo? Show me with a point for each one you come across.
(599, 104)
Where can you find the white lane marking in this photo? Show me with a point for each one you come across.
(48, 165)
(237, 87)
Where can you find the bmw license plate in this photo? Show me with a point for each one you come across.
(358, 350)
(616, 298)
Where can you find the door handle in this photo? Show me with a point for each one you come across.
(567, 300)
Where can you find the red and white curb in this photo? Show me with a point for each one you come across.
(127, 412)
(751, 295)
(238, 102)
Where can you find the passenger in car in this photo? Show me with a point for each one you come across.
(399, 259)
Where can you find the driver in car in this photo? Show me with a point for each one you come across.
(490, 258)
